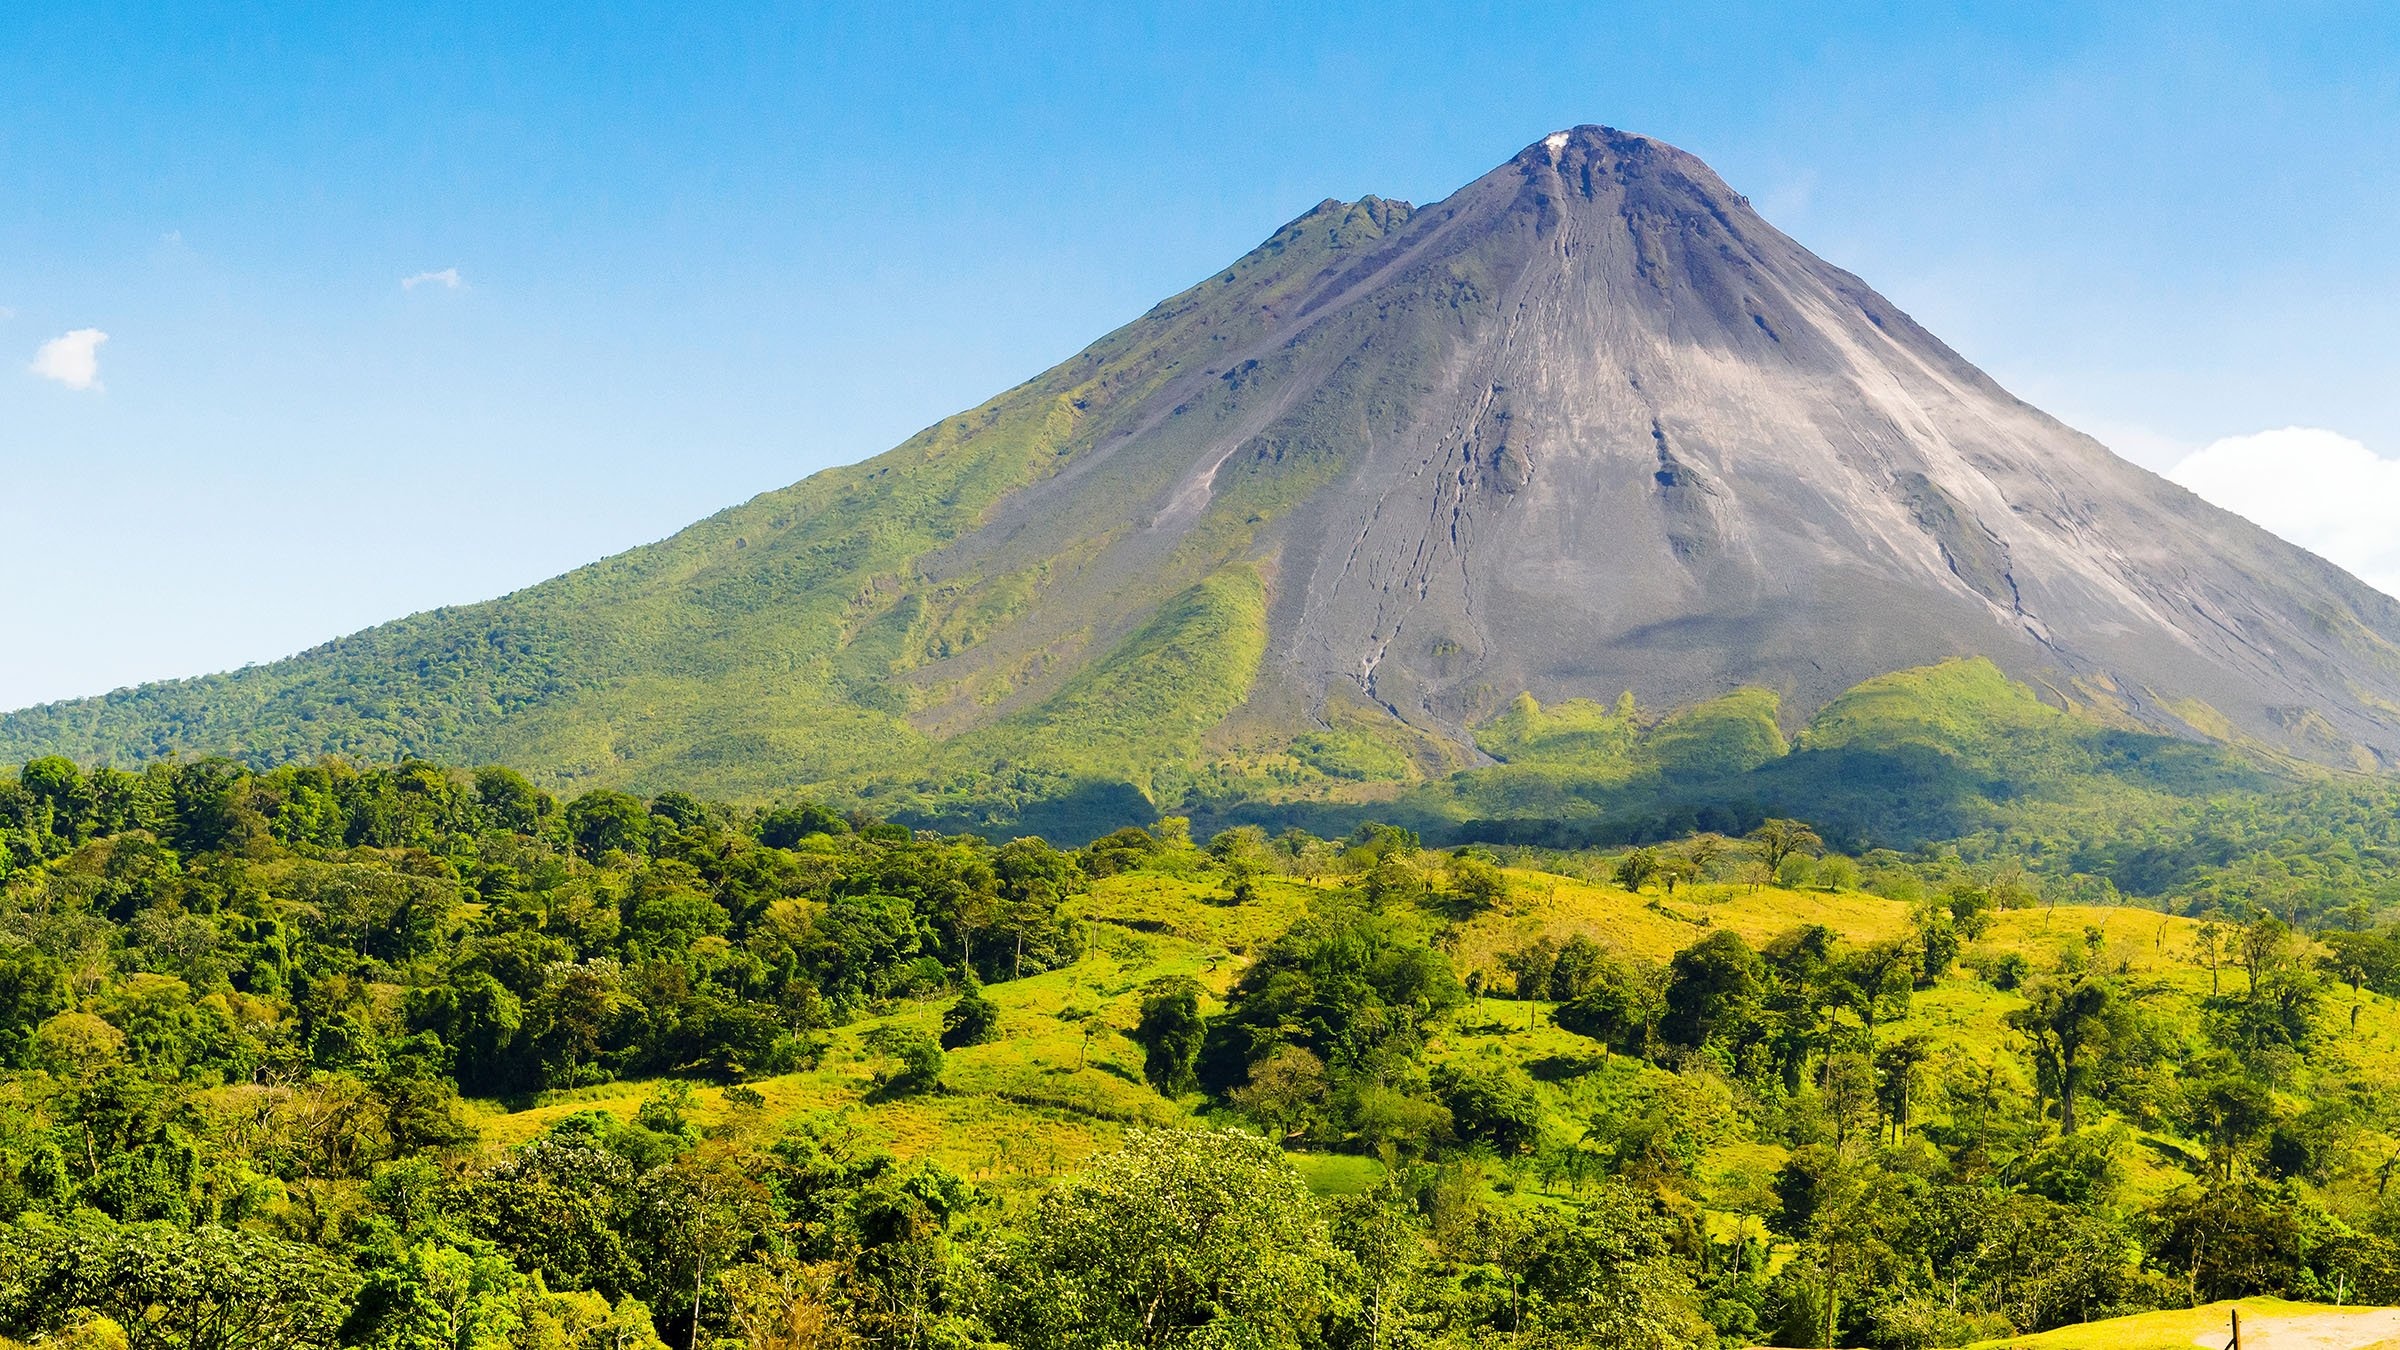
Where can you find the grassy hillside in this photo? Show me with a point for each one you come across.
(1090, 757)
(1042, 1097)
(1954, 755)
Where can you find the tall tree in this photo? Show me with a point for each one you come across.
(1170, 1032)
(1777, 839)
(2072, 1020)
(695, 1214)
(1899, 1067)
(1712, 987)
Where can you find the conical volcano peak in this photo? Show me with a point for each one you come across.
(1682, 226)
(1591, 138)
(1625, 158)
(1586, 425)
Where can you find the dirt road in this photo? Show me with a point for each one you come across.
(2267, 1330)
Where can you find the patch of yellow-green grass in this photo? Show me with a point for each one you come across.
(990, 1141)
(1740, 1176)
(1653, 926)
(2141, 942)
(500, 1127)
(1199, 912)
(1330, 1174)
(2267, 1324)
(1506, 1031)
(829, 1088)
(1724, 1226)
(1043, 1059)
(1577, 730)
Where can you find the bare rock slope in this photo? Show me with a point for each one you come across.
(1593, 425)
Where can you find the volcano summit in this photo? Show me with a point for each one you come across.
(1588, 425)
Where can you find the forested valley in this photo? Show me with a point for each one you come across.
(413, 1056)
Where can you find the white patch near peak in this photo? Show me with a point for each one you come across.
(1556, 140)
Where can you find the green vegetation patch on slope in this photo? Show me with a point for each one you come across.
(1084, 760)
(1721, 737)
(1578, 731)
(1941, 752)
(1149, 701)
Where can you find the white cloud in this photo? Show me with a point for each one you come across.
(6, 314)
(72, 359)
(2320, 489)
(448, 279)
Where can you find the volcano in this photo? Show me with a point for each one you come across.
(1588, 426)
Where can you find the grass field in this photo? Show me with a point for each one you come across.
(1062, 1082)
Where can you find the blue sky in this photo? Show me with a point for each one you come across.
(670, 256)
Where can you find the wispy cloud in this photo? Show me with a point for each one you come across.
(1791, 198)
(2150, 449)
(448, 279)
(72, 359)
(2320, 489)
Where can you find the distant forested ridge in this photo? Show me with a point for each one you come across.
(411, 1056)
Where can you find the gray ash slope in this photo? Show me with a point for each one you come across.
(1675, 452)
(1588, 425)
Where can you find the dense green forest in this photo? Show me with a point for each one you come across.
(411, 1056)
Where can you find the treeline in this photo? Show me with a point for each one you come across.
(529, 945)
(2314, 848)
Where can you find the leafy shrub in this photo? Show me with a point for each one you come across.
(908, 1060)
(972, 1020)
